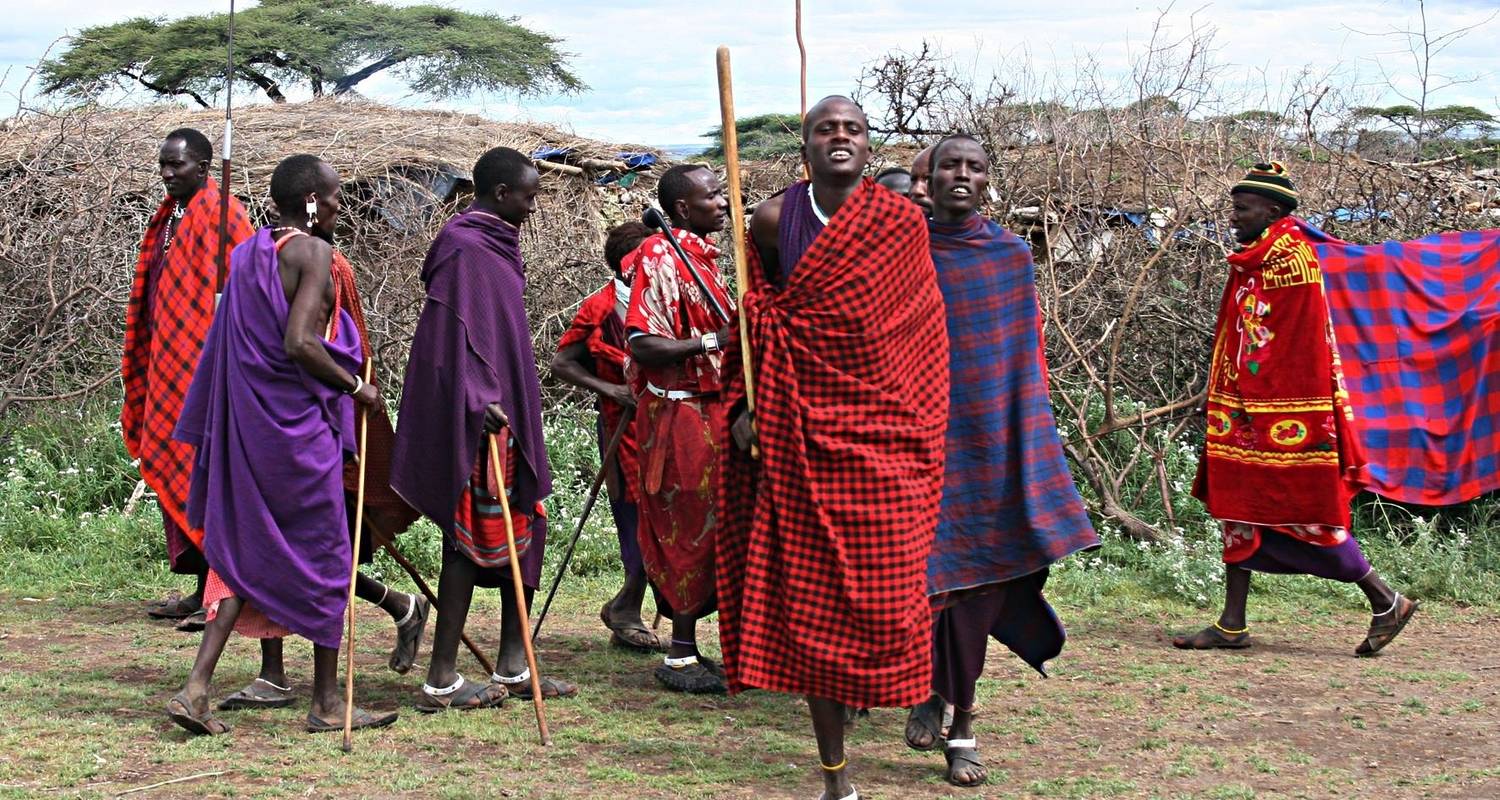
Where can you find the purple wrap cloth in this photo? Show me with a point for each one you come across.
(267, 486)
(472, 348)
(799, 227)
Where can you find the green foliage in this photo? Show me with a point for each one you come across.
(64, 531)
(763, 137)
(328, 45)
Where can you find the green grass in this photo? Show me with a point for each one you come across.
(84, 675)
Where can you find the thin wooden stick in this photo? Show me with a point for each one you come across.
(608, 462)
(515, 574)
(359, 528)
(416, 577)
(802, 58)
(183, 779)
(736, 216)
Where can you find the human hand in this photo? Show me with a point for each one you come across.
(494, 418)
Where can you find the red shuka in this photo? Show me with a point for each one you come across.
(824, 540)
(165, 327)
(599, 328)
(1280, 446)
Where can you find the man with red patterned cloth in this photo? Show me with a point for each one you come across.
(1281, 459)
(674, 335)
(166, 321)
(823, 552)
(591, 355)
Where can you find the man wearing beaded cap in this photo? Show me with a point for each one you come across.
(1281, 458)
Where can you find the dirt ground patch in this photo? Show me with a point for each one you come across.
(81, 693)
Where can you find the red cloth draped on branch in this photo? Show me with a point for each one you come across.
(824, 545)
(166, 322)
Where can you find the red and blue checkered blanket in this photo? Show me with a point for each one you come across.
(1010, 507)
(1418, 327)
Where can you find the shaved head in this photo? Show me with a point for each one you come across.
(827, 104)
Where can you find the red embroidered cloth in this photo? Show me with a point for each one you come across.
(166, 323)
(824, 543)
(678, 437)
(1280, 448)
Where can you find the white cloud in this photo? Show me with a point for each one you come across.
(650, 65)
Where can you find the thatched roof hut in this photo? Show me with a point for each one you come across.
(77, 188)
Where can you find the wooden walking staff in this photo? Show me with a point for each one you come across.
(359, 527)
(802, 69)
(608, 462)
(515, 574)
(736, 218)
(222, 256)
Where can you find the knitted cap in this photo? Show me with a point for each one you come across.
(1269, 181)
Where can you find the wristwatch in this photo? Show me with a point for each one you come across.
(710, 342)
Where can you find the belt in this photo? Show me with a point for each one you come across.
(670, 394)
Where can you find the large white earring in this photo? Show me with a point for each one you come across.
(312, 212)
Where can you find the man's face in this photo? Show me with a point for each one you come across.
(898, 182)
(182, 174)
(838, 141)
(921, 170)
(330, 203)
(516, 203)
(1251, 215)
(960, 175)
(705, 209)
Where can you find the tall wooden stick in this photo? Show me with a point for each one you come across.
(515, 574)
(736, 214)
(608, 462)
(802, 58)
(359, 528)
(802, 62)
(222, 256)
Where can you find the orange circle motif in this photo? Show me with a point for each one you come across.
(1218, 424)
(1289, 432)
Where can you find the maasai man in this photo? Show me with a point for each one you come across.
(1010, 508)
(471, 374)
(921, 175)
(166, 320)
(675, 337)
(270, 415)
(591, 355)
(825, 537)
(1281, 459)
(386, 515)
(896, 179)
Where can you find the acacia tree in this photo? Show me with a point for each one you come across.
(330, 46)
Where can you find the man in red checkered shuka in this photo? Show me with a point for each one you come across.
(166, 322)
(824, 538)
(1281, 458)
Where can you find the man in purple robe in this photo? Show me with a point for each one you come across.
(472, 373)
(270, 415)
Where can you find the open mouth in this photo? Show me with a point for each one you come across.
(961, 192)
(840, 155)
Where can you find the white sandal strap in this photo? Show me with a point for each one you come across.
(435, 692)
(679, 663)
(957, 743)
(854, 795)
(272, 685)
(512, 681)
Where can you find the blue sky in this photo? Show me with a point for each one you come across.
(650, 65)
